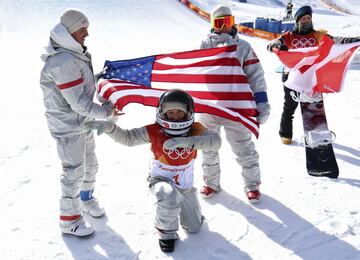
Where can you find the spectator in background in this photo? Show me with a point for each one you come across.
(289, 9)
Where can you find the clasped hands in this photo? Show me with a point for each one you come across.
(179, 142)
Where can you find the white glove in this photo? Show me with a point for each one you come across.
(98, 75)
(178, 142)
(100, 126)
(264, 112)
(109, 108)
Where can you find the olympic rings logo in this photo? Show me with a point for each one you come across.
(303, 42)
(177, 153)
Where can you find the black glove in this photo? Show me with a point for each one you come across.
(351, 40)
(282, 47)
(277, 45)
(271, 46)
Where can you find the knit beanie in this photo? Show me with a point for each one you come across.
(219, 11)
(174, 105)
(304, 10)
(74, 20)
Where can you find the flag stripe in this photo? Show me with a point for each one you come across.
(209, 87)
(137, 98)
(195, 59)
(211, 70)
(198, 53)
(204, 63)
(188, 78)
(222, 95)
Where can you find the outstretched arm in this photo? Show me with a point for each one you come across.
(344, 40)
(132, 137)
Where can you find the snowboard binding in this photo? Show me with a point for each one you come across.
(318, 138)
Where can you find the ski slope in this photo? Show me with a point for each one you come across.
(300, 217)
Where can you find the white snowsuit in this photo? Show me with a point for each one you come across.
(238, 136)
(68, 85)
(172, 201)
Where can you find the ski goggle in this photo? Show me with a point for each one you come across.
(220, 22)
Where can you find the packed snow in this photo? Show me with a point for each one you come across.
(300, 217)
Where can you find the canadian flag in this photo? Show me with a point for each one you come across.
(320, 69)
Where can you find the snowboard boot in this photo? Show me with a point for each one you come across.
(79, 227)
(285, 131)
(92, 208)
(286, 140)
(167, 240)
(167, 245)
(254, 196)
(207, 192)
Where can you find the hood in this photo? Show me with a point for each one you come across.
(222, 39)
(60, 41)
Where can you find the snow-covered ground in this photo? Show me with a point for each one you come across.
(300, 217)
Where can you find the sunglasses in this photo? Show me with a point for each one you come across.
(220, 22)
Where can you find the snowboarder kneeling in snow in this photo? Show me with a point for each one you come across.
(304, 35)
(174, 140)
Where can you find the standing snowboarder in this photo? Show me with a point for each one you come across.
(175, 139)
(68, 84)
(224, 33)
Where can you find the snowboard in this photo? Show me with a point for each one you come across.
(320, 160)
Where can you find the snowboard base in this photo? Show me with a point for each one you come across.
(320, 160)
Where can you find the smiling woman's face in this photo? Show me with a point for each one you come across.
(80, 35)
(175, 115)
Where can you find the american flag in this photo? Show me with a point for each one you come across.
(213, 77)
(320, 69)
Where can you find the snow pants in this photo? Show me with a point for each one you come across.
(286, 126)
(239, 138)
(172, 203)
(79, 163)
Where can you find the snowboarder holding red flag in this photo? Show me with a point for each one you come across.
(304, 35)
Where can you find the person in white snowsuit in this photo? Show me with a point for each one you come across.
(174, 139)
(224, 33)
(68, 85)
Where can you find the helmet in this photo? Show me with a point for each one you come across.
(175, 99)
(304, 10)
